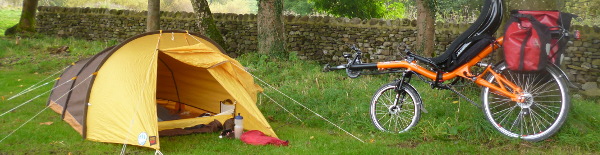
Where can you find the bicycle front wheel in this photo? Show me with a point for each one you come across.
(542, 113)
(395, 111)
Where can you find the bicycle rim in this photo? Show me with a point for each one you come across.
(541, 114)
(395, 118)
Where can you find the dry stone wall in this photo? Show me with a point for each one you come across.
(315, 38)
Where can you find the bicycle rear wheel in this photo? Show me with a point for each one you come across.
(393, 111)
(541, 115)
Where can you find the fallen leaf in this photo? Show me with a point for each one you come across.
(20, 85)
(372, 140)
(18, 79)
(455, 102)
(312, 137)
(46, 123)
(2, 98)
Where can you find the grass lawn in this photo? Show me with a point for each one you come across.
(8, 18)
(449, 128)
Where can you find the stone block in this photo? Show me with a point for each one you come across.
(592, 92)
(589, 85)
(305, 33)
(577, 43)
(596, 62)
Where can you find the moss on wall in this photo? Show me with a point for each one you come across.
(312, 37)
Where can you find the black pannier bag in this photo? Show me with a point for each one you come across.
(534, 38)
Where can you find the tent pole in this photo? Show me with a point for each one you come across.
(174, 82)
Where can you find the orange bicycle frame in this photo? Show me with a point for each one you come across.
(502, 87)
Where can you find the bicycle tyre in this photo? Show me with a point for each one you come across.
(395, 118)
(541, 115)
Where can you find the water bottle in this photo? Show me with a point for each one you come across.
(238, 129)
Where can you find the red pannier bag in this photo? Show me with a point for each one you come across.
(534, 38)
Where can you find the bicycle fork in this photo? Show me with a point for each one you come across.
(400, 94)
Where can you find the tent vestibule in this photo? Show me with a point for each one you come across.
(113, 96)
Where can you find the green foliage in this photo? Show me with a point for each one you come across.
(587, 11)
(458, 6)
(395, 10)
(301, 7)
(217, 6)
(449, 10)
(389, 9)
(364, 9)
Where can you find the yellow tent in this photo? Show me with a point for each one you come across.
(112, 96)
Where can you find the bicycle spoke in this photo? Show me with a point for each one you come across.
(546, 92)
(547, 113)
(540, 119)
(502, 111)
(549, 102)
(503, 100)
(544, 85)
(516, 122)
(542, 112)
(534, 122)
(388, 121)
(506, 115)
(504, 103)
(525, 123)
(387, 96)
(548, 106)
(394, 111)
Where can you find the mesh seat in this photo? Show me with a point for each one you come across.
(482, 29)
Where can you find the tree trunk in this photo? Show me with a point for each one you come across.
(27, 21)
(153, 19)
(271, 32)
(425, 28)
(206, 23)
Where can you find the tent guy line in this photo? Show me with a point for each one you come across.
(298, 103)
(270, 86)
(46, 106)
(34, 86)
(36, 96)
(188, 71)
(205, 76)
(24, 123)
(28, 90)
(282, 107)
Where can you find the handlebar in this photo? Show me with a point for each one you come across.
(354, 67)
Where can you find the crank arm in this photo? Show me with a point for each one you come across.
(328, 68)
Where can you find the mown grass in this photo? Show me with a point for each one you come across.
(8, 18)
(449, 127)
